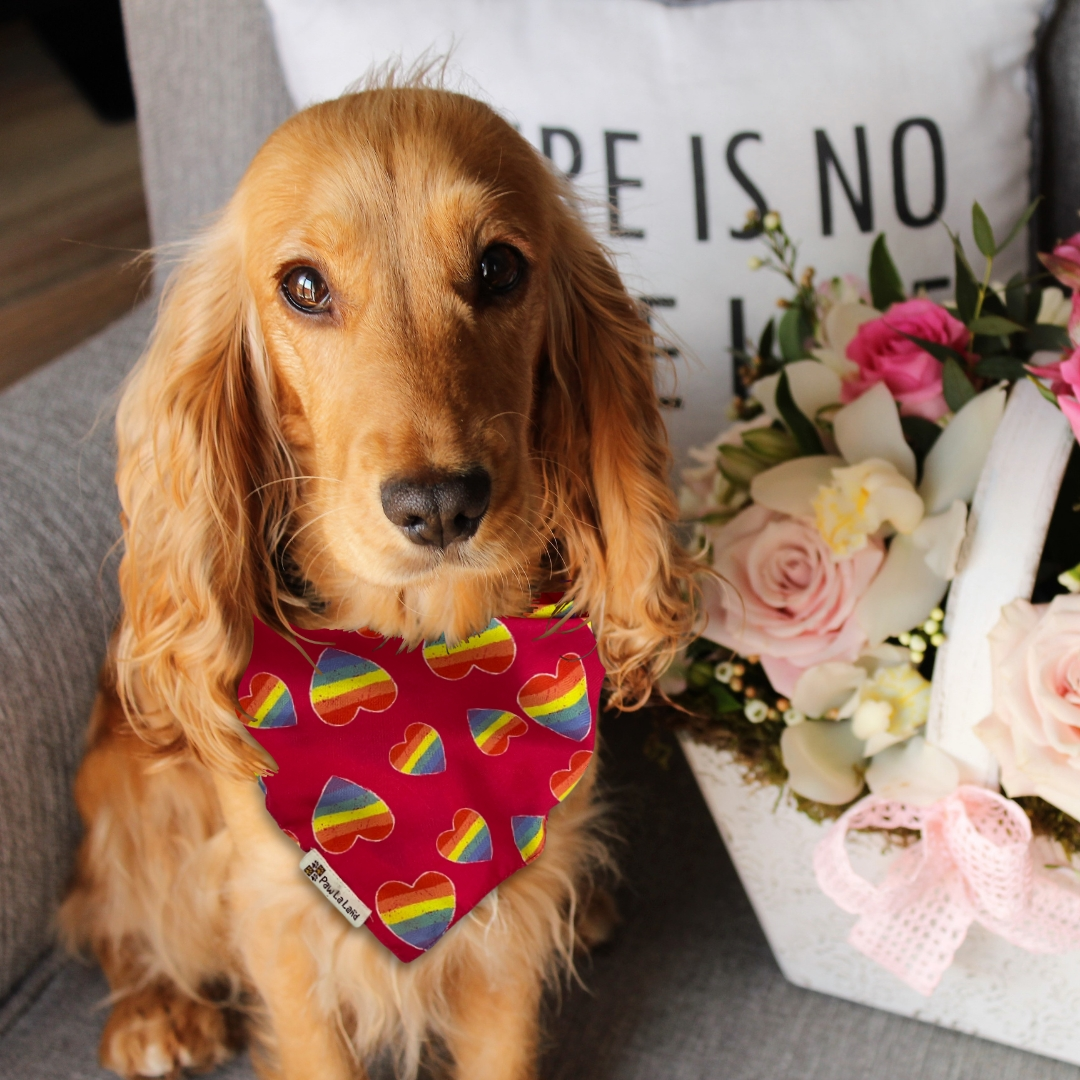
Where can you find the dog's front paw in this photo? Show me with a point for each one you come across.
(158, 1031)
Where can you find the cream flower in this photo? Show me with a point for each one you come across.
(838, 328)
(889, 707)
(914, 772)
(824, 761)
(1054, 307)
(860, 500)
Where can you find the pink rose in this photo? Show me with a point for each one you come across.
(1064, 261)
(912, 375)
(790, 601)
(1034, 729)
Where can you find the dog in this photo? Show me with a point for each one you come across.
(397, 385)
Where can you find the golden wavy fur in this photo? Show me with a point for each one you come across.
(254, 440)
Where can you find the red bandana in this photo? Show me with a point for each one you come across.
(417, 781)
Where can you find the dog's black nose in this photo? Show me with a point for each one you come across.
(440, 511)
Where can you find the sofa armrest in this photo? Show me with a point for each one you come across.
(58, 601)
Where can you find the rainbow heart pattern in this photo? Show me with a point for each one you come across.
(421, 753)
(492, 650)
(492, 729)
(268, 703)
(559, 702)
(468, 840)
(563, 781)
(347, 812)
(419, 913)
(530, 832)
(344, 683)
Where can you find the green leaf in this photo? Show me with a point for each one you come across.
(803, 430)
(956, 385)
(994, 326)
(765, 342)
(967, 288)
(1001, 367)
(1043, 336)
(1016, 298)
(936, 349)
(725, 700)
(791, 335)
(886, 286)
(1021, 221)
(920, 434)
(1044, 390)
(984, 235)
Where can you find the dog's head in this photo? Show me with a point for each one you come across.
(396, 385)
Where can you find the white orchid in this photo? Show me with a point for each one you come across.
(870, 484)
(880, 703)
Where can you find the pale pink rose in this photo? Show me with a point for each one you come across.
(788, 600)
(1064, 261)
(1034, 729)
(884, 354)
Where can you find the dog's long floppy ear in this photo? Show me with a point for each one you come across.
(207, 487)
(606, 461)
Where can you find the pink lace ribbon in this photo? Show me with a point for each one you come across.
(973, 863)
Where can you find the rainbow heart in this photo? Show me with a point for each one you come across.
(346, 812)
(563, 781)
(421, 754)
(419, 913)
(530, 832)
(344, 683)
(468, 840)
(268, 703)
(559, 702)
(492, 650)
(492, 729)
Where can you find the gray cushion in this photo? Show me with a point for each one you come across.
(210, 91)
(58, 520)
(686, 991)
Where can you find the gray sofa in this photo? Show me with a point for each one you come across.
(688, 989)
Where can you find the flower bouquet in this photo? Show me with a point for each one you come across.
(837, 511)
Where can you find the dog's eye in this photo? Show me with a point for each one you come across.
(305, 288)
(501, 270)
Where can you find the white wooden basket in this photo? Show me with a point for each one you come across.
(993, 989)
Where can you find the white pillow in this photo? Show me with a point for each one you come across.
(681, 91)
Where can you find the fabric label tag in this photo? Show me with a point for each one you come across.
(334, 889)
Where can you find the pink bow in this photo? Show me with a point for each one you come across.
(974, 862)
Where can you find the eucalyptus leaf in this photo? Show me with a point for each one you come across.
(936, 349)
(886, 285)
(984, 234)
(791, 335)
(956, 385)
(1044, 337)
(1001, 367)
(967, 288)
(994, 325)
(1016, 298)
(802, 429)
(1044, 390)
(1021, 221)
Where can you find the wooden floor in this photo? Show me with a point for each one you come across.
(72, 211)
